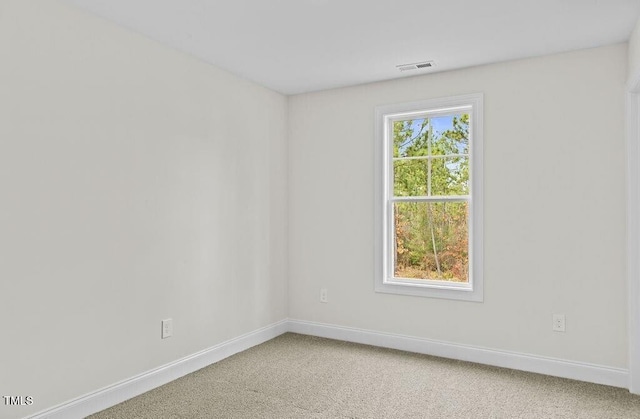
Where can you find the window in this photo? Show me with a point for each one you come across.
(429, 198)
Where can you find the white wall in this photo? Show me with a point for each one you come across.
(136, 184)
(634, 52)
(554, 209)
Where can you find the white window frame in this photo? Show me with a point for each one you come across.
(384, 279)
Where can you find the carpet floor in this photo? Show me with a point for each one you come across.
(296, 376)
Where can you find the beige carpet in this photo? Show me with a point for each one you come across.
(295, 376)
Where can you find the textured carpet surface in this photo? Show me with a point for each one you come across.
(295, 376)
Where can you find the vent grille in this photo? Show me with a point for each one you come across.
(415, 66)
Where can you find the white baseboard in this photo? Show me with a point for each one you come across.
(124, 390)
(598, 374)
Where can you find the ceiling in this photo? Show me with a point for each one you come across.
(295, 46)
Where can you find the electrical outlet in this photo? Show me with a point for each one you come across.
(167, 328)
(558, 322)
(323, 295)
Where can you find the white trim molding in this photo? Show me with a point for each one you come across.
(633, 228)
(117, 393)
(616, 377)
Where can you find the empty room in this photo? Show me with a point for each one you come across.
(319, 209)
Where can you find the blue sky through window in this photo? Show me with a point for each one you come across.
(439, 125)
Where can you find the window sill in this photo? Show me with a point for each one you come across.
(432, 289)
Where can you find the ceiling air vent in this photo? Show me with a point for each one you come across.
(415, 66)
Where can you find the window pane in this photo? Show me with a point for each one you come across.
(450, 176)
(410, 177)
(410, 138)
(450, 134)
(431, 240)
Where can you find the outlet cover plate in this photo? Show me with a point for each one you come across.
(323, 295)
(167, 328)
(558, 322)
